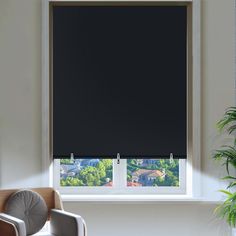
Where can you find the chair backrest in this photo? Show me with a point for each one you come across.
(50, 196)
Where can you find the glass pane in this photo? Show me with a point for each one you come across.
(152, 172)
(86, 172)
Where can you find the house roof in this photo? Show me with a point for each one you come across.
(109, 184)
(134, 184)
(151, 173)
(129, 184)
(156, 173)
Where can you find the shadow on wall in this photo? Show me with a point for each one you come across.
(17, 172)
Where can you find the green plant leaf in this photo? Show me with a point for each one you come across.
(227, 156)
(228, 118)
(226, 192)
(231, 185)
(228, 177)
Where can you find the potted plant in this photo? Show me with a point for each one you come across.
(227, 155)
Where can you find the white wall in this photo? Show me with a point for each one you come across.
(218, 81)
(20, 93)
(20, 122)
(149, 219)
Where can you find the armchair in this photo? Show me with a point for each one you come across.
(61, 223)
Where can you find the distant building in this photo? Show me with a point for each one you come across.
(148, 162)
(134, 184)
(146, 177)
(129, 184)
(139, 162)
(89, 162)
(72, 169)
(78, 162)
(68, 170)
(109, 184)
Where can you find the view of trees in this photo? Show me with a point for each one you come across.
(86, 172)
(168, 175)
(98, 172)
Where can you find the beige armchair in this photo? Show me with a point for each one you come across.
(61, 223)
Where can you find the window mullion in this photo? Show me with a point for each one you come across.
(119, 174)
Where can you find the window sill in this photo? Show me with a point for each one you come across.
(133, 198)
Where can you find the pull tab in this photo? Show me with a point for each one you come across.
(72, 157)
(118, 158)
(171, 157)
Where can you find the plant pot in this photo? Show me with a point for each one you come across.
(233, 232)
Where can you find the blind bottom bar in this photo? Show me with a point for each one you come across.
(184, 156)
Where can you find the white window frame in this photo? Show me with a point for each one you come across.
(190, 174)
(119, 182)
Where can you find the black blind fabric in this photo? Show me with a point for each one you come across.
(119, 81)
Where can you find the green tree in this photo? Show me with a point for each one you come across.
(66, 161)
(101, 169)
(71, 181)
(90, 176)
(107, 163)
(159, 181)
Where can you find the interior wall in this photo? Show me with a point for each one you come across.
(218, 84)
(166, 219)
(20, 122)
(20, 93)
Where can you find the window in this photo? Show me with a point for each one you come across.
(155, 173)
(130, 176)
(86, 172)
(99, 172)
(152, 172)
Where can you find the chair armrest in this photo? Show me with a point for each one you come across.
(65, 223)
(12, 226)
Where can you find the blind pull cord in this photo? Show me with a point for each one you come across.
(72, 157)
(171, 157)
(118, 158)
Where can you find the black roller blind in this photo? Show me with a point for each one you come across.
(119, 81)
